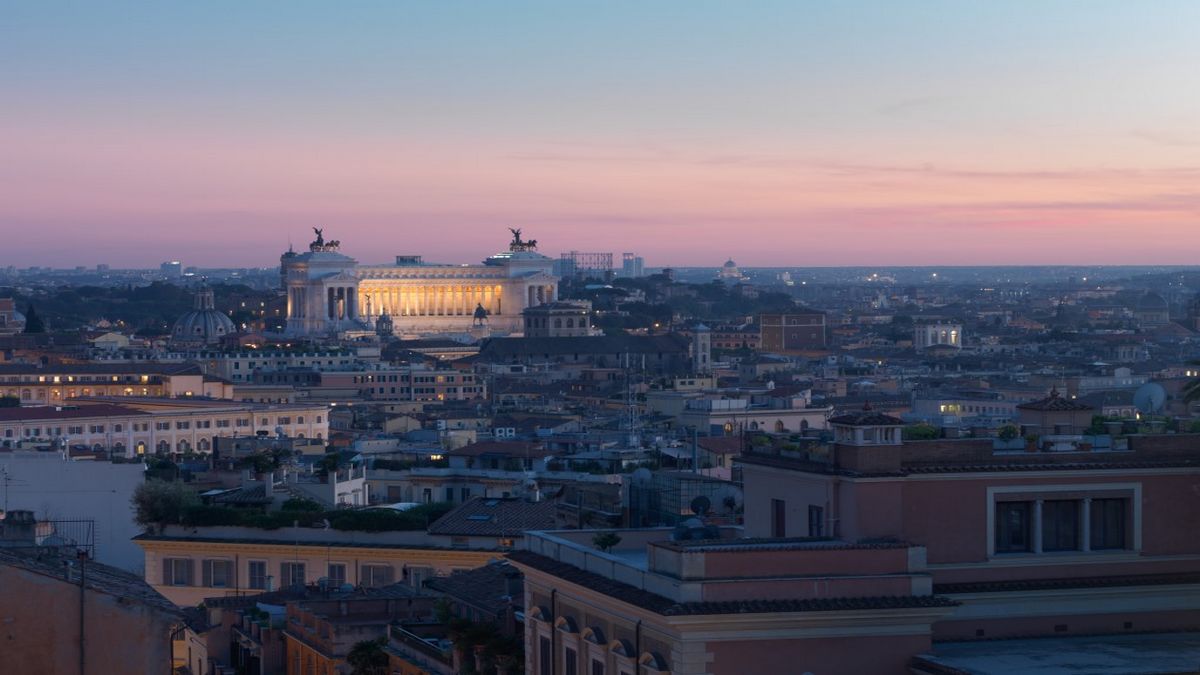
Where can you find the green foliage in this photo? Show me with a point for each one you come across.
(920, 432)
(1194, 427)
(10, 402)
(300, 504)
(368, 657)
(157, 502)
(605, 541)
(1009, 432)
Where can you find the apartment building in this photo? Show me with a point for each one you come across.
(132, 426)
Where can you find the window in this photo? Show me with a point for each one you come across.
(816, 521)
(337, 574)
(597, 667)
(162, 426)
(1013, 527)
(1060, 525)
(183, 425)
(374, 576)
(544, 665)
(570, 662)
(291, 574)
(177, 572)
(258, 574)
(778, 518)
(218, 573)
(1108, 524)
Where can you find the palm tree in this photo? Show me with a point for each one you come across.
(368, 658)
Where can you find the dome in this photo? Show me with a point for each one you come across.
(203, 325)
(1152, 301)
(730, 264)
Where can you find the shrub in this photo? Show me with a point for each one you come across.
(157, 502)
(300, 504)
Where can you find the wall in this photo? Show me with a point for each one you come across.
(875, 654)
(54, 489)
(39, 628)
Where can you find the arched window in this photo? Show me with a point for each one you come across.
(570, 323)
(779, 428)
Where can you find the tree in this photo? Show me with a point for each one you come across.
(920, 432)
(605, 541)
(368, 658)
(10, 402)
(1008, 432)
(33, 322)
(157, 502)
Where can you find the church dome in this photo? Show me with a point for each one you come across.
(1152, 301)
(204, 325)
(729, 264)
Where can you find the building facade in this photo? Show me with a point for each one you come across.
(330, 293)
(794, 331)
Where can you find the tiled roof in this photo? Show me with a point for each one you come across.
(1056, 403)
(97, 576)
(668, 607)
(66, 413)
(486, 587)
(496, 517)
(497, 448)
(721, 445)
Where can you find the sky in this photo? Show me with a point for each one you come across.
(776, 133)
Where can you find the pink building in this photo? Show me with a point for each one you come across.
(1027, 543)
(652, 605)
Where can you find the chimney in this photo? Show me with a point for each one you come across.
(18, 528)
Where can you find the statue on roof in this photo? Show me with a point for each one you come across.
(320, 236)
(480, 316)
(517, 244)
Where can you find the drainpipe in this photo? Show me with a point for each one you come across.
(82, 594)
(553, 632)
(171, 648)
(637, 644)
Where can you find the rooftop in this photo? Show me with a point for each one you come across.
(1095, 655)
(498, 517)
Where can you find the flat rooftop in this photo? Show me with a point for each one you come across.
(1140, 654)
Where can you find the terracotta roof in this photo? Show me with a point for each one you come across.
(98, 577)
(496, 448)
(721, 445)
(668, 607)
(496, 517)
(485, 587)
(1056, 403)
(66, 413)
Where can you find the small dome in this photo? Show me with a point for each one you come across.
(203, 325)
(729, 263)
(1153, 301)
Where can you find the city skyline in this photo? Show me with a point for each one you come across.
(782, 135)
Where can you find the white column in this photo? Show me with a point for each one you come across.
(1037, 526)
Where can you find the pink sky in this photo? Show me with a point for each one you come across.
(859, 133)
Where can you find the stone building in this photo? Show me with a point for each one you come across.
(329, 292)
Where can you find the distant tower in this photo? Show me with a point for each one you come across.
(284, 263)
(701, 349)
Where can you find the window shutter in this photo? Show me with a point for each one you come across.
(191, 572)
(167, 578)
(206, 570)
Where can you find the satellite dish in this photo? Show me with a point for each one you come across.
(728, 499)
(1149, 398)
(642, 476)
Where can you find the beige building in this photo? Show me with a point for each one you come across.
(136, 426)
(52, 384)
(188, 566)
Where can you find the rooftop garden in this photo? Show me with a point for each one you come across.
(159, 503)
